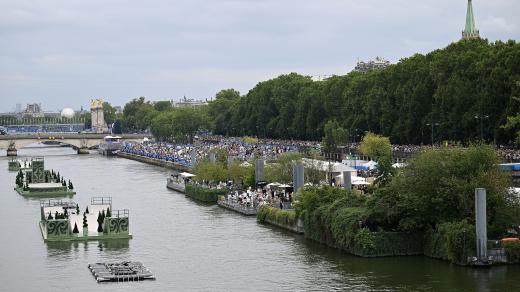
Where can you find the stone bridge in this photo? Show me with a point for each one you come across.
(78, 141)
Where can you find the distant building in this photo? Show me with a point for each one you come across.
(377, 64)
(470, 30)
(52, 114)
(34, 110)
(119, 109)
(18, 108)
(189, 102)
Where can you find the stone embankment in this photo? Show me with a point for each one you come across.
(154, 161)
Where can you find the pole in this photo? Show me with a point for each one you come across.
(481, 224)
(432, 132)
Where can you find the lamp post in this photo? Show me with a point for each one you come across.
(481, 118)
(432, 124)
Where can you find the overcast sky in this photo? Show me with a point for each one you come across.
(62, 53)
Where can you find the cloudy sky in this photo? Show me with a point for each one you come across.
(64, 52)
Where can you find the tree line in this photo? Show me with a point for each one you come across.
(461, 93)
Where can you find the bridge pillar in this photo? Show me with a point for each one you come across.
(83, 150)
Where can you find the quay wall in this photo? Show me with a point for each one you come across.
(153, 161)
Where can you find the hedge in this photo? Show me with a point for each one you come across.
(204, 194)
(377, 244)
(279, 216)
(512, 251)
(452, 241)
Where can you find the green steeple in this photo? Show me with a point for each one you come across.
(470, 32)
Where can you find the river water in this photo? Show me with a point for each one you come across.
(196, 247)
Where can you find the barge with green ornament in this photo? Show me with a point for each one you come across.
(66, 221)
(36, 181)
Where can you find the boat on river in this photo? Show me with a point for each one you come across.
(110, 146)
(177, 181)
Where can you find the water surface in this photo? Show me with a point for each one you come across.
(196, 247)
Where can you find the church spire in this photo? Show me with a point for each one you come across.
(470, 31)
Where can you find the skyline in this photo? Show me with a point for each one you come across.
(64, 54)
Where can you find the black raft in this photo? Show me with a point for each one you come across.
(120, 272)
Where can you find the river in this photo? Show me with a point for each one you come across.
(196, 247)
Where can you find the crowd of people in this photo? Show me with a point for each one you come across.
(184, 154)
(250, 198)
(269, 149)
(44, 128)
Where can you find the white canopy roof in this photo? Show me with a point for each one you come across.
(186, 174)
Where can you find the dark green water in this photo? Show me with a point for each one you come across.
(194, 247)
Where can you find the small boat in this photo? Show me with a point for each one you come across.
(177, 181)
(110, 146)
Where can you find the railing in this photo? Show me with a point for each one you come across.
(101, 201)
(125, 213)
(54, 203)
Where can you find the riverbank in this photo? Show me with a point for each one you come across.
(153, 161)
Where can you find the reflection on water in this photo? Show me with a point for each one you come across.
(194, 246)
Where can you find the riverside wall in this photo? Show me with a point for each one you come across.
(154, 161)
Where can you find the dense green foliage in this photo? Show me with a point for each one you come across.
(204, 194)
(378, 148)
(453, 241)
(282, 170)
(339, 219)
(450, 87)
(438, 186)
(512, 251)
(433, 195)
(220, 172)
(276, 215)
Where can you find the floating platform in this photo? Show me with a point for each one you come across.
(120, 272)
(45, 190)
(61, 221)
(235, 206)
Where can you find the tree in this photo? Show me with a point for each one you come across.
(163, 105)
(335, 135)
(71, 186)
(138, 114)
(50, 216)
(86, 211)
(77, 209)
(438, 186)
(85, 224)
(109, 214)
(100, 222)
(379, 149)
(282, 170)
(75, 230)
(109, 113)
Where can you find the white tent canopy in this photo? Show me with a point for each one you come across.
(186, 174)
(355, 180)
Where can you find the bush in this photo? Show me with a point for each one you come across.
(452, 241)
(512, 251)
(276, 215)
(204, 194)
